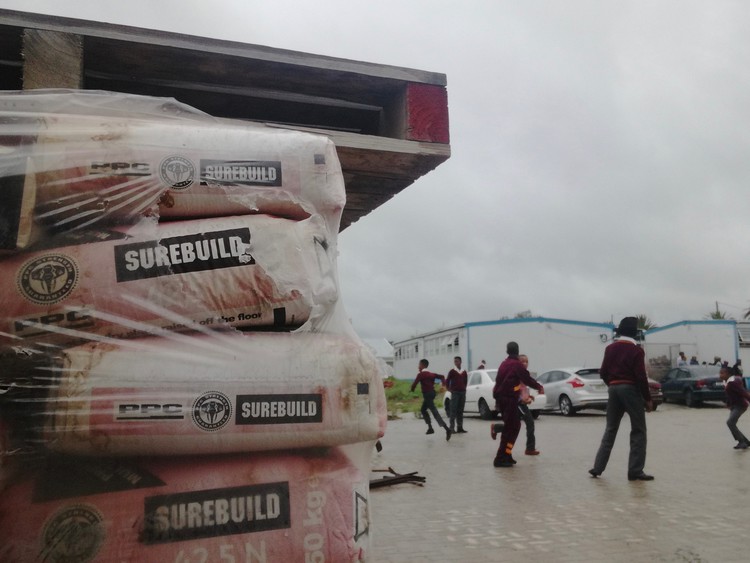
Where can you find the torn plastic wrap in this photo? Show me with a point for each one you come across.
(200, 395)
(171, 325)
(281, 507)
(251, 270)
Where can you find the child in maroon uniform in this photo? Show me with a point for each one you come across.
(510, 375)
(738, 400)
(456, 384)
(426, 381)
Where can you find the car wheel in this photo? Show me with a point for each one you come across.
(485, 412)
(535, 414)
(447, 406)
(566, 406)
(690, 400)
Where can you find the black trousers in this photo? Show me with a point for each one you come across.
(428, 406)
(458, 401)
(624, 399)
(528, 419)
(734, 416)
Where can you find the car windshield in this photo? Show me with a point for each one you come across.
(492, 373)
(588, 373)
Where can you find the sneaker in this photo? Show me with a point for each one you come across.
(513, 461)
(461, 431)
(640, 477)
(532, 452)
(594, 473)
(743, 446)
(502, 462)
(448, 433)
(430, 430)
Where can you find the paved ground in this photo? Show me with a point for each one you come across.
(547, 508)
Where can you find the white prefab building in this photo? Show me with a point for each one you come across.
(743, 334)
(705, 340)
(549, 343)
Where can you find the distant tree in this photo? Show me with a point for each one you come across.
(644, 323)
(716, 314)
(719, 315)
(523, 314)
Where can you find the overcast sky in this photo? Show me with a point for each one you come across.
(600, 152)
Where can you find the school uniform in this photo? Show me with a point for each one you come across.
(510, 375)
(623, 370)
(456, 383)
(738, 400)
(426, 381)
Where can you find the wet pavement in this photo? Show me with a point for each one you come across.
(547, 507)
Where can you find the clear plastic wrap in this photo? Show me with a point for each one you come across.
(200, 394)
(250, 270)
(301, 506)
(78, 170)
(172, 337)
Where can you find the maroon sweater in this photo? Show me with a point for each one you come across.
(456, 381)
(427, 380)
(624, 362)
(737, 395)
(510, 375)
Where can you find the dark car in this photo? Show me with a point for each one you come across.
(657, 397)
(692, 385)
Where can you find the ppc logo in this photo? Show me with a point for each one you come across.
(177, 172)
(212, 411)
(48, 279)
(74, 533)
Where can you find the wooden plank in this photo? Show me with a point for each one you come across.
(383, 156)
(383, 162)
(246, 91)
(215, 46)
(125, 60)
(52, 59)
(253, 104)
(427, 113)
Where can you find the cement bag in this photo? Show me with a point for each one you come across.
(310, 506)
(252, 270)
(103, 169)
(201, 395)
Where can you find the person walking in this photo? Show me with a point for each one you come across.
(426, 381)
(624, 372)
(456, 384)
(738, 400)
(682, 360)
(510, 375)
(525, 399)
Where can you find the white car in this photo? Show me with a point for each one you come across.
(479, 398)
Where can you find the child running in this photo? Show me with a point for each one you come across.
(738, 400)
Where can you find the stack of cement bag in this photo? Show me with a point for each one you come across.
(178, 378)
